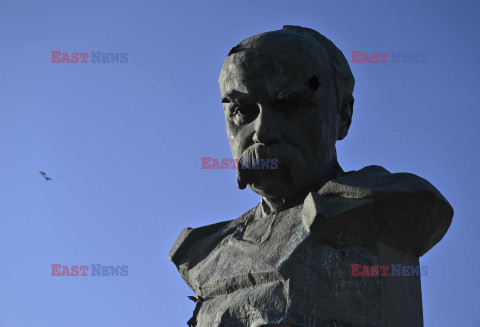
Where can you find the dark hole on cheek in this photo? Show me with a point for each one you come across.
(313, 83)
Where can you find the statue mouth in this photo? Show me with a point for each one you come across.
(278, 161)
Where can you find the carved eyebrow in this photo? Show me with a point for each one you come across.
(237, 97)
(302, 93)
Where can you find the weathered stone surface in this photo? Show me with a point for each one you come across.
(295, 266)
(288, 97)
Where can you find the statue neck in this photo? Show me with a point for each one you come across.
(271, 205)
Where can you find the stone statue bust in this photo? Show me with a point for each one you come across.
(287, 95)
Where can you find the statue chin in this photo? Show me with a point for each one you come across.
(278, 183)
(271, 186)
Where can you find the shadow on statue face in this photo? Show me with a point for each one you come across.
(279, 105)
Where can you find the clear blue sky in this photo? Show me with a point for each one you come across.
(123, 143)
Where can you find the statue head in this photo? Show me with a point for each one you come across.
(287, 95)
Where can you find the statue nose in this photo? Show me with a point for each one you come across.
(266, 128)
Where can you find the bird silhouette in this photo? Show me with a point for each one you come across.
(44, 175)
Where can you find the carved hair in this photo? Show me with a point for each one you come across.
(339, 67)
(342, 74)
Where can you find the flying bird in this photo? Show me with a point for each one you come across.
(44, 175)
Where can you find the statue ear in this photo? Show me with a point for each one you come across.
(345, 115)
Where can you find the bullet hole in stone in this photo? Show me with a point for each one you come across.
(313, 83)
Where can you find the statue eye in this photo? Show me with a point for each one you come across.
(244, 114)
(243, 110)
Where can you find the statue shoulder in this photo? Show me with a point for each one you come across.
(376, 181)
(372, 204)
(189, 235)
(193, 244)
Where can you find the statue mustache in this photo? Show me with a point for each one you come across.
(287, 155)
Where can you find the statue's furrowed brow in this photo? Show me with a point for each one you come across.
(301, 93)
(237, 97)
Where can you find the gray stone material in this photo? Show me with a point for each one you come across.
(295, 266)
(287, 95)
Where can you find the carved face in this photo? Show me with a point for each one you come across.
(280, 103)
